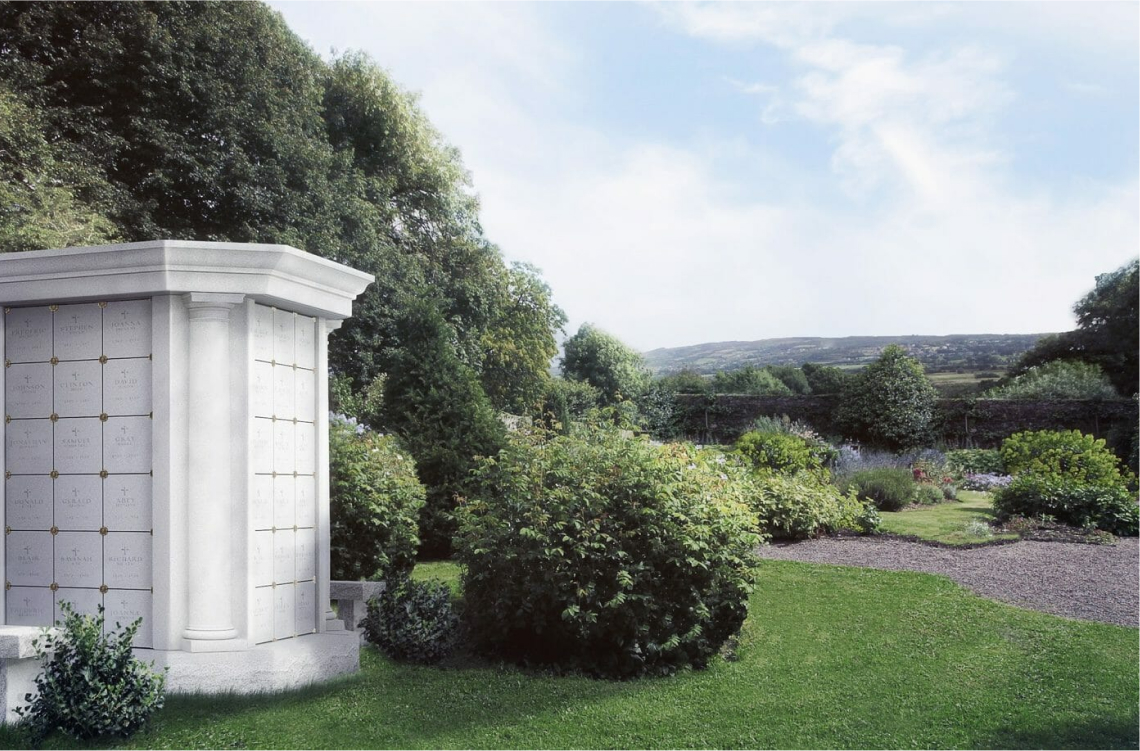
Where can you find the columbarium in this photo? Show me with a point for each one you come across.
(166, 453)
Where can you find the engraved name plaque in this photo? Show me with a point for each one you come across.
(79, 502)
(304, 492)
(261, 502)
(261, 389)
(79, 559)
(28, 499)
(126, 329)
(305, 448)
(262, 615)
(28, 390)
(124, 606)
(79, 389)
(283, 556)
(127, 503)
(29, 558)
(306, 556)
(127, 560)
(126, 444)
(261, 445)
(283, 337)
(28, 606)
(28, 447)
(305, 399)
(78, 332)
(283, 503)
(262, 558)
(79, 446)
(83, 601)
(284, 611)
(28, 335)
(262, 333)
(126, 387)
(305, 606)
(283, 447)
(305, 340)
(283, 392)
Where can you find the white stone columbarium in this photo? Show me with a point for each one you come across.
(166, 453)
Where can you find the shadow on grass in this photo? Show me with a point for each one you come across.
(1107, 733)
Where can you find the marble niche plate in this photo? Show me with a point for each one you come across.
(262, 615)
(79, 446)
(284, 611)
(261, 445)
(28, 561)
(126, 329)
(284, 513)
(28, 447)
(79, 389)
(305, 448)
(78, 331)
(127, 560)
(126, 444)
(127, 387)
(262, 333)
(124, 606)
(79, 502)
(283, 447)
(306, 555)
(127, 503)
(305, 395)
(283, 392)
(283, 555)
(305, 607)
(261, 389)
(305, 494)
(261, 558)
(29, 606)
(283, 337)
(304, 339)
(28, 390)
(261, 502)
(27, 335)
(28, 499)
(79, 559)
(83, 601)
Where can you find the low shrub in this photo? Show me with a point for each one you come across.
(375, 499)
(776, 452)
(1111, 508)
(607, 554)
(975, 461)
(889, 489)
(823, 452)
(805, 506)
(928, 495)
(984, 482)
(949, 491)
(412, 621)
(1062, 454)
(92, 685)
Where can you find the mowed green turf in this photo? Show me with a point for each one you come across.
(945, 522)
(830, 657)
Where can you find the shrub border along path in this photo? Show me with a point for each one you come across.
(1090, 582)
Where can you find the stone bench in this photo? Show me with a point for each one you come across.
(18, 667)
(352, 598)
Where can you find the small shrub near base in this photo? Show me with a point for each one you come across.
(412, 621)
(889, 489)
(92, 685)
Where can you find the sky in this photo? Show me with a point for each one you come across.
(685, 173)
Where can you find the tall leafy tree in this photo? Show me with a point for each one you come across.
(606, 363)
(890, 403)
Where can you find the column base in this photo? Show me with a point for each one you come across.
(214, 645)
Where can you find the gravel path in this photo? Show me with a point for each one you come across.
(1092, 582)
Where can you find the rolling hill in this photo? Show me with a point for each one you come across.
(967, 352)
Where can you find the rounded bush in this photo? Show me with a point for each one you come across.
(1111, 508)
(606, 554)
(776, 452)
(412, 621)
(928, 495)
(975, 461)
(805, 506)
(889, 489)
(1062, 454)
(375, 498)
(92, 685)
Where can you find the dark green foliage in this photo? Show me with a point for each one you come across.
(1107, 323)
(686, 382)
(928, 495)
(91, 685)
(604, 362)
(781, 453)
(657, 412)
(889, 489)
(412, 621)
(1057, 379)
(975, 461)
(826, 379)
(790, 376)
(1111, 508)
(435, 404)
(749, 380)
(1062, 454)
(605, 554)
(806, 505)
(890, 403)
(375, 500)
(566, 401)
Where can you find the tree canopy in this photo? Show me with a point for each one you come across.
(606, 363)
(890, 403)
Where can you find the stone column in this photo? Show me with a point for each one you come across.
(210, 601)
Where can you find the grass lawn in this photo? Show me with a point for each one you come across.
(945, 522)
(830, 657)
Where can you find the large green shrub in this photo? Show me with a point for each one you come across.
(412, 621)
(776, 452)
(606, 554)
(890, 403)
(749, 380)
(1110, 507)
(92, 685)
(975, 461)
(1057, 379)
(888, 488)
(606, 363)
(1067, 454)
(803, 505)
(375, 499)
